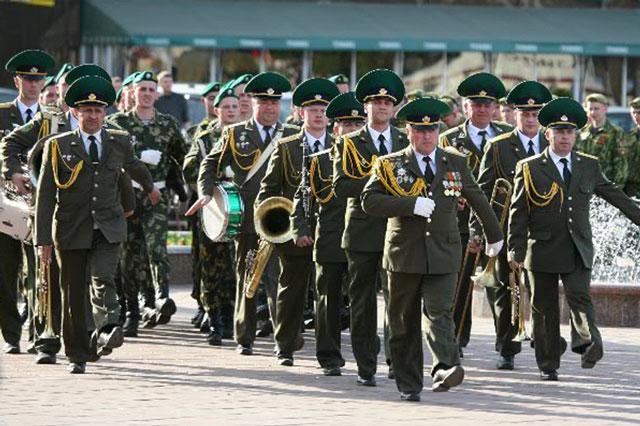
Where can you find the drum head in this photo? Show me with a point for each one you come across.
(215, 215)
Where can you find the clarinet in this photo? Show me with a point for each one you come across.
(305, 182)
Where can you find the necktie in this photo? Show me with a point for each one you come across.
(93, 150)
(267, 139)
(316, 146)
(566, 174)
(530, 151)
(428, 171)
(28, 113)
(483, 133)
(382, 149)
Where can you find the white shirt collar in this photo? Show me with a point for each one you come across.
(556, 160)
(420, 159)
(311, 140)
(23, 109)
(525, 141)
(473, 130)
(263, 133)
(85, 136)
(376, 134)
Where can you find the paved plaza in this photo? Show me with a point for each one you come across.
(169, 375)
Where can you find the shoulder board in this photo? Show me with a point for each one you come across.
(584, 154)
(353, 134)
(206, 132)
(288, 139)
(61, 135)
(453, 130)
(500, 137)
(5, 105)
(503, 125)
(290, 126)
(117, 132)
(393, 154)
(323, 152)
(452, 150)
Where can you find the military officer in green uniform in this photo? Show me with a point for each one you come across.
(48, 95)
(244, 97)
(207, 98)
(632, 142)
(216, 288)
(245, 147)
(379, 91)
(158, 143)
(330, 261)
(78, 212)
(481, 91)
(342, 81)
(499, 162)
(286, 169)
(603, 139)
(29, 68)
(417, 189)
(550, 234)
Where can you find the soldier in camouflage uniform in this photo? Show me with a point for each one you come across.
(604, 140)
(632, 143)
(216, 288)
(158, 143)
(207, 97)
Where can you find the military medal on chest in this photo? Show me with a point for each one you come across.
(243, 141)
(452, 184)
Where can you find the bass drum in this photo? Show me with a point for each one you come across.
(14, 212)
(222, 218)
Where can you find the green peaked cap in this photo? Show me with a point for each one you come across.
(339, 79)
(314, 91)
(423, 113)
(380, 84)
(85, 70)
(33, 64)
(145, 76)
(345, 107)
(268, 85)
(482, 87)
(90, 91)
(529, 95)
(127, 81)
(563, 113)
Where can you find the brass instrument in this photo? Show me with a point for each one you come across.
(502, 186)
(476, 260)
(45, 315)
(518, 327)
(273, 225)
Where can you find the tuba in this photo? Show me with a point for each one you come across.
(273, 225)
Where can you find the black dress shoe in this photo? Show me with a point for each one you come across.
(549, 376)
(505, 362)
(366, 381)
(332, 371)
(214, 338)
(591, 355)
(77, 367)
(244, 349)
(109, 340)
(44, 358)
(285, 360)
(444, 380)
(391, 374)
(410, 396)
(12, 348)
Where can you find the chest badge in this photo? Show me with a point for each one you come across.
(452, 183)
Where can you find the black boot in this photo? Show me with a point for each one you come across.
(227, 322)
(165, 306)
(130, 327)
(123, 311)
(197, 318)
(215, 329)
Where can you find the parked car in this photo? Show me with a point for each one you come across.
(620, 116)
(8, 95)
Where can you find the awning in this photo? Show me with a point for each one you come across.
(350, 26)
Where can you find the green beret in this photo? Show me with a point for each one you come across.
(214, 86)
(345, 107)
(339, 79)
(225, 92)
(635, 103)
(423, 113)
(529, 95)
(380, 84)
(562, 113)
(243, 79)
(90, 91)
(314, 91)
(597, 97)
(145, 76)
(482, 87)
(268, 85)
(49, 81)
(127, 81)
(63, 70)
(85, 70)
(32, 64)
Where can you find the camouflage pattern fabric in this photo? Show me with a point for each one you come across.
(608, 144)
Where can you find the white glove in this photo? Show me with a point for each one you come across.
(228, 172)
(494, 248)
(424, 207)
(151, 156)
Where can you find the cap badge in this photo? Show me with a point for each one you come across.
(531, 101)
(34, 69)
(92, 97)
(354, 112)
(483, 93)
(426, 119)
(270, 91)
(318, 96)
(564, 118)
(382, 91)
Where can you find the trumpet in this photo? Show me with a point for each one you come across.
(518, 327)
(272, 223)
(502, 187)
(45, 315)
